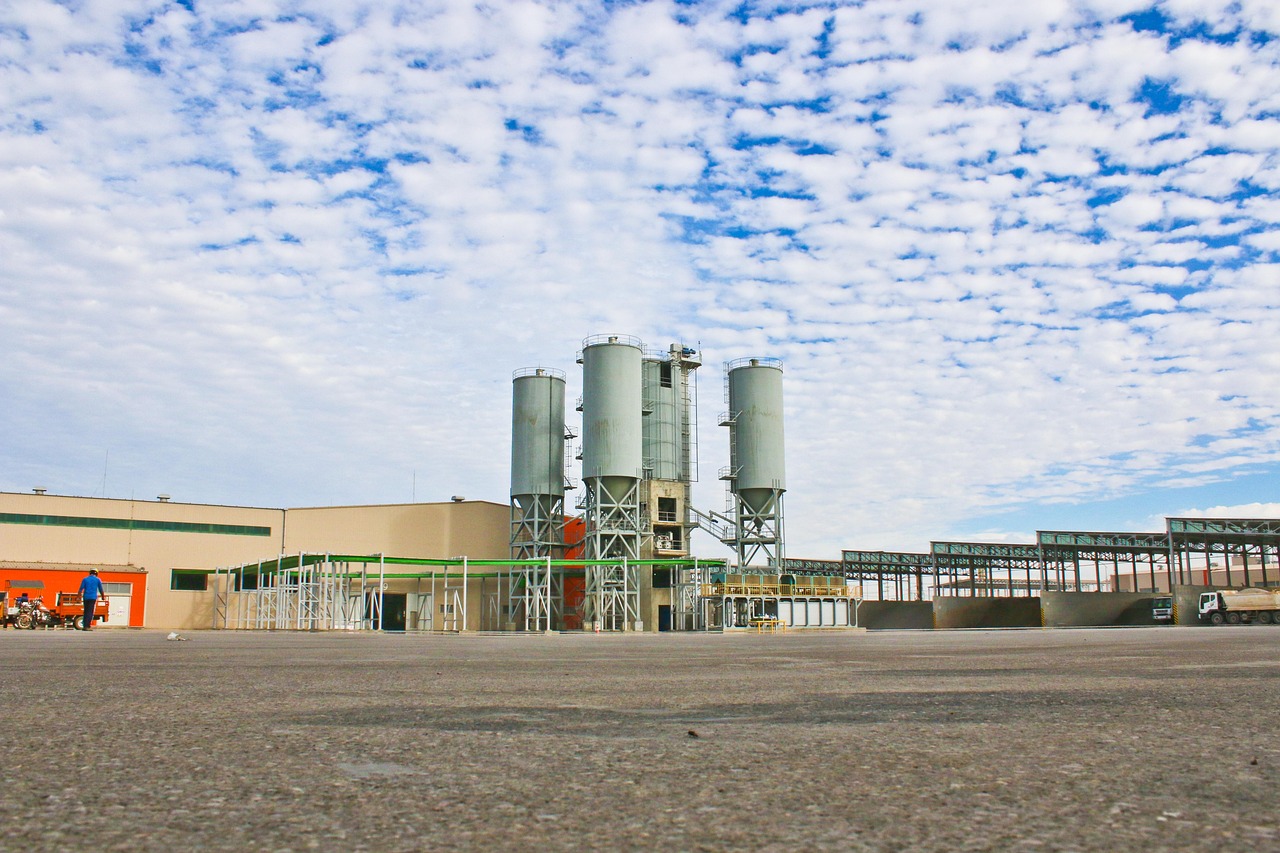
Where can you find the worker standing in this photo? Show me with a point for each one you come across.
(90, 591)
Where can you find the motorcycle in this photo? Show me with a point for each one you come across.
(33, 614)
(44, 617)
(25, 617)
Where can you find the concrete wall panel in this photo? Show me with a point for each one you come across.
(1073, 609)
(986, 612)
(875, 615)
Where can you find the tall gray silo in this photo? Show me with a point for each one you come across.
(757, 474)
(612, 470)
(612, 445)
(537, 463)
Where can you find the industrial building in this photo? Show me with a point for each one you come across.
(619, 559)
(161, 555)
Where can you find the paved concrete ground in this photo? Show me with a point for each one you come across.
(1147, 738)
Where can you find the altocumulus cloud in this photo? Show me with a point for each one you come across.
(1014, 256)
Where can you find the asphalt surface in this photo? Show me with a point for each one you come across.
(1145, 738)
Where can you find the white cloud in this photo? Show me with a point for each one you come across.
(292, 256)
(1250, 510)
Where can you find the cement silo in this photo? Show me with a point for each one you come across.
(757, 473)
(537, 463)
(612, 471)
(612, 444)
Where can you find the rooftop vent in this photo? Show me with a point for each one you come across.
(39, 490)
(162, 498)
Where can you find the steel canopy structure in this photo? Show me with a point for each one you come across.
(988, 568)
(1256, 538)
(346, 592)
(896, 567)
(326, 592)
(1077, 561)
(1065, 552)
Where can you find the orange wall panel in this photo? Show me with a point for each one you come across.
(68, 580)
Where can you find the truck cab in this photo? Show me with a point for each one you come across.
(1162, 608)
(1212, 608)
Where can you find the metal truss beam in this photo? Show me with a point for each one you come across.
(758, 531)
(812, 567)
(889, 568)
(1068, 550)
(973, 568)
(537, 526)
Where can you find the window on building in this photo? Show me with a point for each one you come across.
(188, 580)
(667, 509)
(661, 578)
(664, 374)
(242, 582)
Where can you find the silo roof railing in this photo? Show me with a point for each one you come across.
(753, 361)
(538, 371)
(624, 340)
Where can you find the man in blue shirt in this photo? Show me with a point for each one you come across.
(91, 589)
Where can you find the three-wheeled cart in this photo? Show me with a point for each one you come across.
(70, 608)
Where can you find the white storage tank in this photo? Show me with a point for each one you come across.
(537, 463)
(612, 429)
(755, 401)
(537, 432)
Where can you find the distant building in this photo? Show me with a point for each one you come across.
(156, 556)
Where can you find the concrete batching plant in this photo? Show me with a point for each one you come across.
(639, 459)
(639, 443)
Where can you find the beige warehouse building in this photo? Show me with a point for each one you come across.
(171, 548)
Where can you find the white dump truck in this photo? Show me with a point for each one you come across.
(1234, 606)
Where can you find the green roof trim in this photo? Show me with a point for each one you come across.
(134, 524)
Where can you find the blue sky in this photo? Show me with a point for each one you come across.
(1019, 259)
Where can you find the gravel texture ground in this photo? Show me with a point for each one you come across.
(1140, 739)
